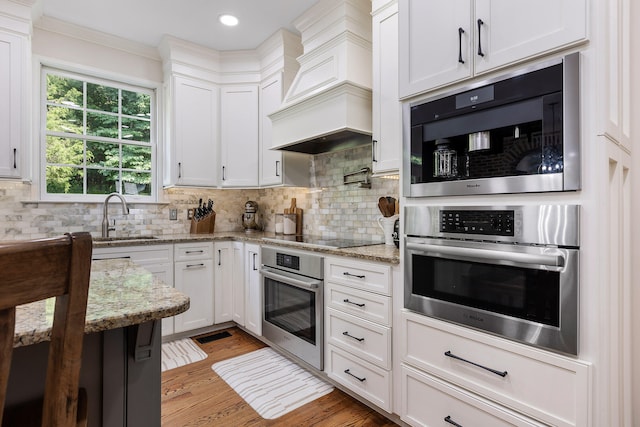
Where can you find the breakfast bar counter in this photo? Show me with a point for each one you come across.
(121, 360)
(121, 294)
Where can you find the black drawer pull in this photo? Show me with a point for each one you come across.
(194, 252)
(347, 334)
(195, 265)
(346, 273)
(351, 302)
(501, 373)
(348, 372)
(448, 419)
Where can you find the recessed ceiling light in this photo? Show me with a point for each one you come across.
(228, 20)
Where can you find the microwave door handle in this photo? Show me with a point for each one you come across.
(311, 284)
(556, 261)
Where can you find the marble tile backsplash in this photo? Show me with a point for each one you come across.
(331, 208)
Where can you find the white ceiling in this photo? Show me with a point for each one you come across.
(145, 21)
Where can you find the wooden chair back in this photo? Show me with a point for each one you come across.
(39, 269)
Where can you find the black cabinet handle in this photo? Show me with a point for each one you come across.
(277, 168)
(480, 23)
(494, 371)
(179, 170)
(346, 273)
(15, 157)
(195, 265)
(224, 175)
(351, 302)
(347, 334)
(448, 419)
(219, 257)
(195, 252)
(460, 33)
(254, 261)
(374, 145)
(348, 372)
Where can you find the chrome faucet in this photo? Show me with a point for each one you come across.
(105, 213)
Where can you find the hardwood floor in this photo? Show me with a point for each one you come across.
(194, 395)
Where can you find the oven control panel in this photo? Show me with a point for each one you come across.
(489, 222)
(288, 261)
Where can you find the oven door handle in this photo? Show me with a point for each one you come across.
(530, 260)
(311, 284)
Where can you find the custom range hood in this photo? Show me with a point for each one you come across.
(328, 106)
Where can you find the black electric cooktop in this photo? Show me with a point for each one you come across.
(325, 242)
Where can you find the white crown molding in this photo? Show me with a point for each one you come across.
(57, 26)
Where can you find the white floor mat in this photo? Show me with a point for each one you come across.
(180, 352)
(270, 383)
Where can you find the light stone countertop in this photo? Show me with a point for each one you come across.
(120, 294)
(379, 252)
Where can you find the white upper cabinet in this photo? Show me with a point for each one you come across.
(12, 114)
(271, 160)
(239, 136)
(444, 41)
(277, 167)
(193, 139)
(387, 114)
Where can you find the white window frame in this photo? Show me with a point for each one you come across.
(111, 82)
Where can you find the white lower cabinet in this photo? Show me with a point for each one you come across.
(229, 282)
(253, 289)
(158, 259)
(193, 276)
(358, 328)
(536, 384)
(429, 401)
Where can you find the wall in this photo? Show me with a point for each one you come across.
(331, 208)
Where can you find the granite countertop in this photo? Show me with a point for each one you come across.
(120, 294)
(378, 252)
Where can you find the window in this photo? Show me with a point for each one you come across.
(98, 138)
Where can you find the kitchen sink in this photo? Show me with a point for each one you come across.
(121, 238)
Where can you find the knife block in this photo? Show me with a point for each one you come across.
(204, 225)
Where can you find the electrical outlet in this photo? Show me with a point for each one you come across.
(173, 214)
(189, 213)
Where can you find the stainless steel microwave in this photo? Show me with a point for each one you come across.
(517, 133)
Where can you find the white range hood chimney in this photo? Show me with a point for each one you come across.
(328, 106)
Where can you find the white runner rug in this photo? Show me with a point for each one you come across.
(270, 383)
(179, 353)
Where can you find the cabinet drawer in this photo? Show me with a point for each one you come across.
(358, 274)
(428, 401)
(365, 379)
(366, 305)
(142, 255)
(192, 251)
(364, 339)
(529, 372)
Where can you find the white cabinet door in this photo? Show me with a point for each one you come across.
(431, 45)
(229, 282)
(516, 30)
(239, 135)
(238, 267)
(194, 116)
(387, 114)
(253, 289)
(271, 160)
(445, 41)
(223, 256)
(193, 276)
(12, 69)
